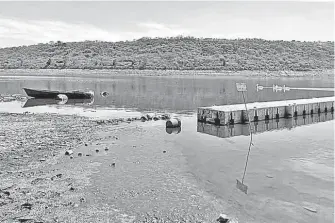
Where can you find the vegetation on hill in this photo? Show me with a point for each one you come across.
(177, 53)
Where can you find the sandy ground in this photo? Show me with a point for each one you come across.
(118, 173)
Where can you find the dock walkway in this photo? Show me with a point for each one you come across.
(233, 114)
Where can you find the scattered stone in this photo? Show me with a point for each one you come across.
(82, 199)
(71, 157)
(223, 218)
(104, 94)
(144, 118)
(310, 209)
(27, 206)
(106, 149)
(69, 152)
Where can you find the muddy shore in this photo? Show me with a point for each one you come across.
(117, 173)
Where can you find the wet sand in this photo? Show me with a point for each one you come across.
(136, 172)
(39, 183)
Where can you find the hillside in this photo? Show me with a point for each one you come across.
(178, 53)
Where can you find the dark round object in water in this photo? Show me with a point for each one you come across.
(173, 122)
(104, 94)
(173, 130)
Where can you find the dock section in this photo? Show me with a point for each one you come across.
(258, 111)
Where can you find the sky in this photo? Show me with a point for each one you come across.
(26, 23)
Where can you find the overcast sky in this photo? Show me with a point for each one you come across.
(25, 23)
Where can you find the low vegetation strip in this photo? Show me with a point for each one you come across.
(177, 53)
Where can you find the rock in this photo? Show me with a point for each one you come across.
(71, 157)
(71, 189)
(104, 94)
(223, 218)
(156, 118)
(310, 209)
(69, 152)
(88, 155)
(144, 118)
(85, 144)
(106, 149)
(80, 154)
(27, 206)
(82, 199)
(97, 150)
(164, 151)
(165, 116)
(42, 159)
(113, 164)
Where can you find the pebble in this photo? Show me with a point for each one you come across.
(69, 152)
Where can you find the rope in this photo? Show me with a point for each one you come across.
(246, 163)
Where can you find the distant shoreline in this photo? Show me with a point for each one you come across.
(323, 74)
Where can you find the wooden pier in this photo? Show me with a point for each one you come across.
(235, 114)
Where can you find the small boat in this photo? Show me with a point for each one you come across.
(55, 94)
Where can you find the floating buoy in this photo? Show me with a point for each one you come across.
(63, 99)
(173, 123)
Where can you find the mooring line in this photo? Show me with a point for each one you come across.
(246, 163)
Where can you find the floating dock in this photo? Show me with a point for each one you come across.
(258, 111)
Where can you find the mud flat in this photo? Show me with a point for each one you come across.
(117, 173)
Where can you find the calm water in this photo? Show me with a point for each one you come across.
(166, 93)
(289, 168)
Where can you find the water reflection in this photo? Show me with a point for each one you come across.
(166, 93)
(41, 102)
(262, 126)
(176, 130)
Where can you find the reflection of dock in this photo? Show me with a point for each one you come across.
(262, 126)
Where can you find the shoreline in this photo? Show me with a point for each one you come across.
(41, 183)
(323, 74)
